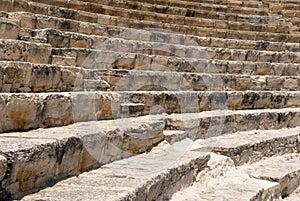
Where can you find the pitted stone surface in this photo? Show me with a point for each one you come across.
(37, 158)
(137, 178)
(252, 146)
(266, 180)
(225, 72)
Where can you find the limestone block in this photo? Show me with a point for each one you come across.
(23, 112)
(57, 110)
(45, 78)
(8, 29)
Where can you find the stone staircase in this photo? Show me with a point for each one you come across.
(149, 100)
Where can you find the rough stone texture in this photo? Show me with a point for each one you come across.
(235, 185)
(87, 27)
(39, 157)
(24, 51)
(226, 72)
(294, 196)
(142, 177)
(57, 109)
(264, 180)
(8, 29)
(214, 123)
(283, 169)
(252, 146)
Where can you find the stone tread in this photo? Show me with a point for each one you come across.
(141, 177)
(239, 183)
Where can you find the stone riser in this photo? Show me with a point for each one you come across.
(28, 111)
(13, 50)
(26, 77)
(74, 26)
(172, 19)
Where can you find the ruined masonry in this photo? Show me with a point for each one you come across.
(193, 100)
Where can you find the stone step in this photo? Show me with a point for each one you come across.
(8, 29)
(15, 50)
(26, 77)
(76, 40)
(252, 146)
(152, 176)
(35, 159)
(142, 6)
(99, 59)
(218, 122)
(92, 56)
(284, 6)
(267, 179)
(203, 6)
(21, 111)
(136, 80)
(94, 9)
(231, 3)
(71, 39)
(37, 21)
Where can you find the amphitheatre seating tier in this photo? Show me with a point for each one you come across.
(149, 100)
